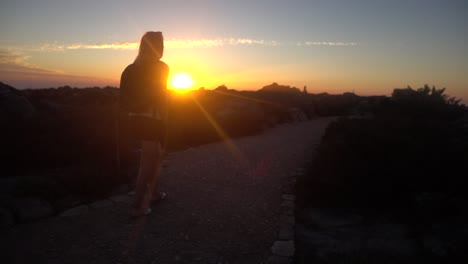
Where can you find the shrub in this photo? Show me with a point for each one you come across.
(417, 142)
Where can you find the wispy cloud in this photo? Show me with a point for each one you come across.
(323, 43)
(14, 61)
(210, 43)
(185, 44)
(12, 57)
(63, 47)
(17, 71)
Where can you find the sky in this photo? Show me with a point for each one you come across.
(368, 47)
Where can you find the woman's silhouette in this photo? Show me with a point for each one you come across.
(143, 108)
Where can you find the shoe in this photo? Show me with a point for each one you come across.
(158, 197)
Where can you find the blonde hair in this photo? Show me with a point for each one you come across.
(151, 47)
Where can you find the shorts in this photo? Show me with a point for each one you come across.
(146, 128)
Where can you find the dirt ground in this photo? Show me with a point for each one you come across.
(222, 207)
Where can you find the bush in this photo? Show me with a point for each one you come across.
(417, 142)
(74, 132)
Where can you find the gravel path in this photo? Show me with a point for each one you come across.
(223, 206)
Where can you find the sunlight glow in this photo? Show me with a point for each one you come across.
(225, 137)
(182, 81)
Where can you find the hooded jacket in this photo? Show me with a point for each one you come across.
(143, 84)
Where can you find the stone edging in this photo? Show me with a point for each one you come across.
(283, 249)
(78, 210)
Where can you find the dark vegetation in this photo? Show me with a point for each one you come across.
(413, 142)
(404, 159)
(392, 153)
(62, 141)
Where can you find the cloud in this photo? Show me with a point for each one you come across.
(184, 44)
(208, 43)
(12, 57)
(318, 43)
(14, 61)
(15, 70)
(63, 47)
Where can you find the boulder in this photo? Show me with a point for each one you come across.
(41, 187)
(28, 209)
(365, 240)
(8, 186)
(279, 260)
(101, 204)
(330, 217)
(286, 233)
(288, 197)
(67, 202)
(120, 199)
(434, 246)
(283, 248)
(7, 218)
(13, 104)
(79, 210)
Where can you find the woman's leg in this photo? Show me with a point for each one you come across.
(153, 186)
(147, 176)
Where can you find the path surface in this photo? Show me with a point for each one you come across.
(222, 207)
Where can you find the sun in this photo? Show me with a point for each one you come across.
(182, 81)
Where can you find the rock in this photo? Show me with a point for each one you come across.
(279, 260)
(287, 219)
(41, 187)
(14, 105)
(391, 238)
(75, 211)
(287, 211)
(434, 246)
(6, 218)
(101, 204)
(288, 197)
(6, 200)
(121, 189)
(27, 209)
(287, 203)
(299, 171)
(165, 163)
(8, 186)
(317, 239)
(283, 248)
(286, 233)
(120, 199)
(67, 203)
(326, 218)
(383, 239)
(297, 174)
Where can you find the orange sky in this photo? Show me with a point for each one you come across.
(369, 47)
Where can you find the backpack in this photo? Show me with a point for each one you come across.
(137, 88)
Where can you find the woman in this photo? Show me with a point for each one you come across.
(143, 105)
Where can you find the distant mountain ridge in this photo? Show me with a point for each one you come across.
(275, 87)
